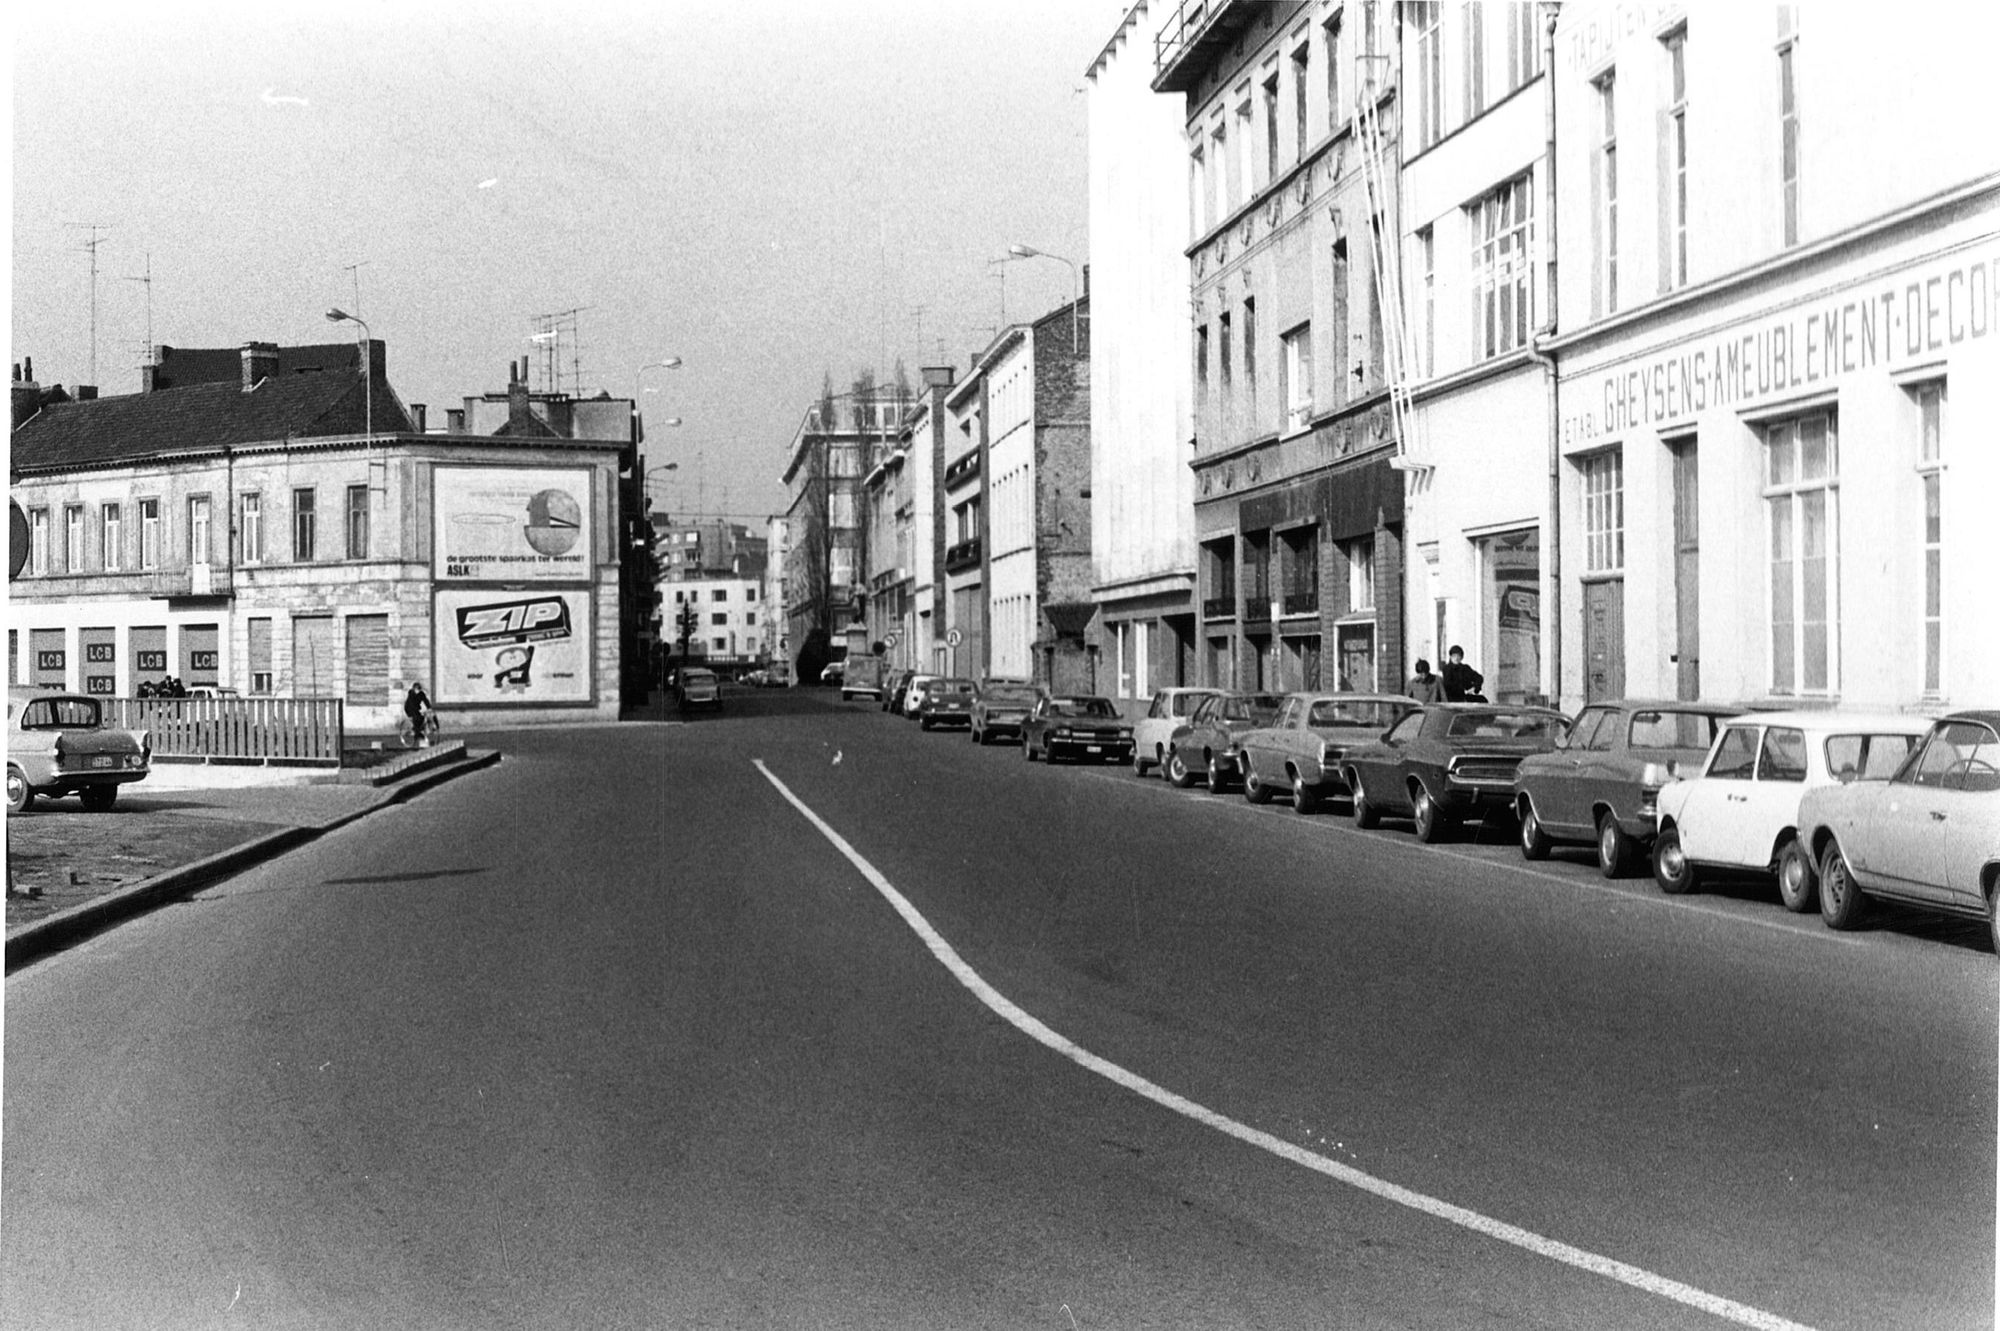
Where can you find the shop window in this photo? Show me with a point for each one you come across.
(1802, 461)
(1604, 512)
(1929, 399)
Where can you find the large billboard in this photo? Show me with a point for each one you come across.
(497, 646)
(512, 524)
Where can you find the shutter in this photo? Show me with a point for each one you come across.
(100, 661)
(368, 660)
(48, 660)
(260, 654)
(201, 654)
(315, 656)
(149, 656)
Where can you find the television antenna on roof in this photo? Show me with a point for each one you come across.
(148, 280)
(91, 245)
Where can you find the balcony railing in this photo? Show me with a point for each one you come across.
(1257, 609)
(191, 580)
(961, 556)
(964, 469)
(1219, 607)
(1301, 603)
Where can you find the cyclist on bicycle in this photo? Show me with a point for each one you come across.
(417, 707)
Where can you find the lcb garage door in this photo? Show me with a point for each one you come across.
(201, 658)
(47, 658)
(100, 661)
(149, 656)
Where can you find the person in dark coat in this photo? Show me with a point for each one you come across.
(1461, 682)
(1424, 686)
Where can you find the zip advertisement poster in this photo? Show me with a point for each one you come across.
(497, 646)
(512, 524)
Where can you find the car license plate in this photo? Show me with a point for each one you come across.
(101, 760)
(1093, 748)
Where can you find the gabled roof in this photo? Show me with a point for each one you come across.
(203, 418)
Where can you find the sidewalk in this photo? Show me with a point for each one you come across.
(75, 872)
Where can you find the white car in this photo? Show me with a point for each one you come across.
(1152, 738)
(1742, 812)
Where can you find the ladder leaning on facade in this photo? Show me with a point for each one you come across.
(1379, 171)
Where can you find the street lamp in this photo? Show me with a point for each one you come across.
(338, 315)
(670, 363)
(1075, 285)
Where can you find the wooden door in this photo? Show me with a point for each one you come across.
(1687, 572)
(1603, 640)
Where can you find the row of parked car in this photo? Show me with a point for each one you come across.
(1836, 807)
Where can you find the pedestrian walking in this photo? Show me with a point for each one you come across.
(416, 704)
(1461, 682)
(1425, 686)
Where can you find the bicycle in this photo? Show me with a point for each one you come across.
(406, 730)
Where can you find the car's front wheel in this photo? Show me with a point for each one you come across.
(1535, 843)
(1671, 867)
(99, 799)
(1433, 823)
(1255, 789)
(1797, 883)
(1840, 901)
(1366, 815)
(20, 795)
(1614, 848)
(1305, 795)
(1216, 781)
(1178, 772)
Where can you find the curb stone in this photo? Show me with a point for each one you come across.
(64, 928)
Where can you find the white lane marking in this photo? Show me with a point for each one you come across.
(1540, 1245)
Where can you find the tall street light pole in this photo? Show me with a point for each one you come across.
(1075, 285)
(338, 315)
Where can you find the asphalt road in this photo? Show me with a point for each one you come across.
(617, 1034)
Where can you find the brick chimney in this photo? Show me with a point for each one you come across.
(519, 417)
(260, 362)
(417, 412)
(454, 420)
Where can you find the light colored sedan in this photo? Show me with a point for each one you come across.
(1742, 812)
(58, 744)
(1928, 836)
(1152, 737)
(1301, 750)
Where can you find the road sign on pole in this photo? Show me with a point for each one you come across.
(953, 637)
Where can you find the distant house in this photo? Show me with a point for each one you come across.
(293, 531)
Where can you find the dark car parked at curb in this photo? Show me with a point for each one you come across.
(1077, 726)
(948, 702)
(1447, 762)
(894, 685)
(1206, 749)
(1601, 783)
(1000, 708)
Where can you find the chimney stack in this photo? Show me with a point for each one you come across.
(417, 412)
(260, 362)
(939, 376)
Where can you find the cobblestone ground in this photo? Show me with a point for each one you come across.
(60, 856)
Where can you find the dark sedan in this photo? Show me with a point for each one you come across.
(1000, 708)
(1077, 726)
(1207, 748)
(1447, 762)
(948, 702)
(1602, 781)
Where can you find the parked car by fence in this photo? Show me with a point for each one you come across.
(1169, 711)
(1742, 811)
(1447, 762)
(1207, 748)
(1301, 750)
(58, 744)
(947, 702)
(1077, 726)
(1000, 708)
(1928, 836)
(1601, 782)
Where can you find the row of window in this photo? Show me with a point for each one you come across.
(1801, 499)
(1672, 117)
(112, 549)
(716, 594)
(1295, 571)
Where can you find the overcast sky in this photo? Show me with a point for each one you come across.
(770, 191)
